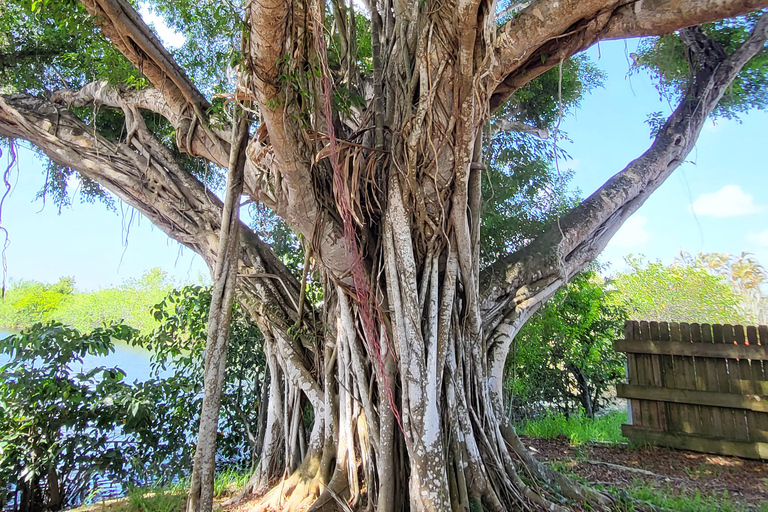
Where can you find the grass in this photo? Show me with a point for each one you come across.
(157, 500)
(578, 429)
(229, 481)
(167, 499)
(673, 499)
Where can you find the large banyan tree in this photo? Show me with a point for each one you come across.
(366, 129)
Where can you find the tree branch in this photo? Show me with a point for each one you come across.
(101, 93)
(522, 281)
(508, 125)
(122, 25)
(154, 184)
(549, 31)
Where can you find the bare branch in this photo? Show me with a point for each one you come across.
(549, 31)
(101, 93)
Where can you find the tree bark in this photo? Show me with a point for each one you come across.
(222, 295)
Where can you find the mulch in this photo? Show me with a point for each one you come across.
(745, 481)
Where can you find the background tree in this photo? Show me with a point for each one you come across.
(373, 155)
(747, 277)
(676, 293)
(563, 358)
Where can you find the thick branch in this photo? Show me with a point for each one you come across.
(578, 238)
(549, 31)
(122, 25)
(97, 94)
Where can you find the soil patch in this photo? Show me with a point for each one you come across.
(745, 481)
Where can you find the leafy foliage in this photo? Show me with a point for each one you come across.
(30, 302)
(524, 188)
(50, 44)
(563, 358)
(666, 59)
(59, 427)
(175, 391)
(678, 292)
(62, 426)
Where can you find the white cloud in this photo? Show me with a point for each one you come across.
(760, 239)
(729, 201)
(632, 233)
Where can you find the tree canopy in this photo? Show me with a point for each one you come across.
(400, 141)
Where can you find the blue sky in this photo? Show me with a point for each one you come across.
(716, 202)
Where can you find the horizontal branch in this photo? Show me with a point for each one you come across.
(151, 182)
(549, 31)
(507, 125)
(189, 139)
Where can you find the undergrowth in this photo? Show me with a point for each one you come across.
(669, 498)
(578, 429)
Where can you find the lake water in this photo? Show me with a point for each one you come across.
(134, 361)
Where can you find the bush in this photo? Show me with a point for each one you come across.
(59, 429)
(563, 358)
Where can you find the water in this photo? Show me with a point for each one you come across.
(134, 361)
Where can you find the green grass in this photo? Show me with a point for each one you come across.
(155, 500)
(673, 499)
(229, 481)
(578, 429)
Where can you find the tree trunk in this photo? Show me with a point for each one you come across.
(222, 296)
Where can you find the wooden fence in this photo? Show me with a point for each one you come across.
(697, 387)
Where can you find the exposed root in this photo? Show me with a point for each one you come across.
(568, 487)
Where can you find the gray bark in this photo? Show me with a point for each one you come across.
(220, 314)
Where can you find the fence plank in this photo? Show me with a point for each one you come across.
(723, 384)
(634, 405)
(745, 384)
(650, 408)
(759, 384)
(661, 407)
(697, 443)
(668, 381)
(690, 413)
(741, 431)
(710, 382)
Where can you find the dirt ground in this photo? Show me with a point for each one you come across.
(746, 481)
